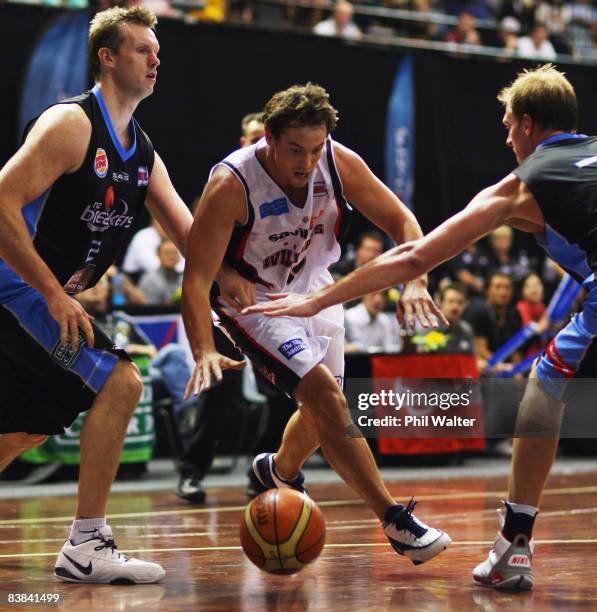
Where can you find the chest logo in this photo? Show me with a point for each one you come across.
(142, 176)
(100, 165)
(276, 208)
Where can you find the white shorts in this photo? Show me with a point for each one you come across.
(286, 349)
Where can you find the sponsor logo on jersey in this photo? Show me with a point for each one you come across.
(300, 232)
(276, 208)
(65, 356)
(319, 189)
(142, 176)
(292, 347)
(112, 212)
(79, 280)
(100, 165)
(121, 177)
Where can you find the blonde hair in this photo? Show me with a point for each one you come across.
(105, 31)
(544, 94)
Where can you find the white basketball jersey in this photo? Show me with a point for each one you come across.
(283, 247)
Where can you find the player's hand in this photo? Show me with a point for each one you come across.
(416, 303)
(235, 290)
(70, 316)
(287, 304)
(209, 365)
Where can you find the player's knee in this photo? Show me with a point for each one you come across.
(130, 384)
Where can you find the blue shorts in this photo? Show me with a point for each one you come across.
(573, 352)
(45, 386)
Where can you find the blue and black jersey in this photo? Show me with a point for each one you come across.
(84, 219)
(562, 176)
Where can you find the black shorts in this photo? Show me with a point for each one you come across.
(44, 387)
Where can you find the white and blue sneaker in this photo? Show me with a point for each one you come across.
(264, 469)
(98, 560)
(509, 564)
(411, 537)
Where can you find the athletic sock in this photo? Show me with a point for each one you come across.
(288, 480)
(82, 529)
(519, 520)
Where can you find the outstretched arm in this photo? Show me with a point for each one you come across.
(382, 207)
(488, 210)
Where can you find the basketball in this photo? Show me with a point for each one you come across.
(282, 530)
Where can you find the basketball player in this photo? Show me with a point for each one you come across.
(274, 211)
(553, 195)
(68, 199)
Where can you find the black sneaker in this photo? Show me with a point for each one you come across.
(191, 489)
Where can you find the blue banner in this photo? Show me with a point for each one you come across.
(58, 66)
(400, 134)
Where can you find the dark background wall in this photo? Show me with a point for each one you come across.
(211, 75)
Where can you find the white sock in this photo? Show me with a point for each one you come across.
(83, 529)
(523, 508)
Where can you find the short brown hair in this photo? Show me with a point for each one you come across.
(544, 94)
(299, 106)
(105, 31)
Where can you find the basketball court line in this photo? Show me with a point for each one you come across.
(323, 504)
(327, 547)
(330, 526)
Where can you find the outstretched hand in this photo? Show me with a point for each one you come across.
(210, 364)
(286, 304)
(416, 303)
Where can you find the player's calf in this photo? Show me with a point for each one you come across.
(14, 444)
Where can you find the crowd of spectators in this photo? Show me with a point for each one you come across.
(534, 29)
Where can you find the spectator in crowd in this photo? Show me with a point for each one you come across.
(370, 245)
(423, 30)
(142, 253)
(123, 291)
(465, 32)
(555, 15)
(531, 308)
(453, 303)
(523, 10)
(537, 45)
(582, 16)
(370, 329)
(501, 256)
(508, 34)
(494, 320)
(470, 269)
(340, 23)
(162, 286)
(252, 129)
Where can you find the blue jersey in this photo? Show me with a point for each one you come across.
(79, 225)
(562, 176)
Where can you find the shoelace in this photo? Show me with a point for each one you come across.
(405, 520)
(109, 544)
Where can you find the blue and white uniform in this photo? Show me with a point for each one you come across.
(562, 176)
(287, 248)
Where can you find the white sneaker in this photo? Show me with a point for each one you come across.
(509, 564)
(411, 537)
(97, 560)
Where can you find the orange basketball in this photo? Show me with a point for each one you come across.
(282, 530)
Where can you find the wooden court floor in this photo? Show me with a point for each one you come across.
(206, 570)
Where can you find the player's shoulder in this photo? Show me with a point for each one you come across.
(70, 118)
